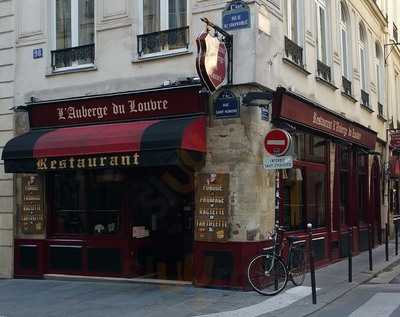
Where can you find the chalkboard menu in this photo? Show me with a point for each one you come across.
(212, 207)
(32, 215)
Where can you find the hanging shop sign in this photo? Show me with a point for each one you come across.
(277, 163)
(32, 214)
(211, 61)
(297, 110)
(226, 105)
(212, 207)
(236, 16)
(277, 142)
(122, 107)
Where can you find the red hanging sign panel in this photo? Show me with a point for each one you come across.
(211, 61)
(277, 142)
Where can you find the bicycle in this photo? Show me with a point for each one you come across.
(268, 273)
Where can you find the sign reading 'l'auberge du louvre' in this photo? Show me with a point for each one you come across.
(32, 214)
(212, 207)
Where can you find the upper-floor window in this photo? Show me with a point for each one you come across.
(294, 30)
(363, 47)
(395, 33)
(164, 26)
(344, 40)
(73, 33)
(322, 30)
(379, 77)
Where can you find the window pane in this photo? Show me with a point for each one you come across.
(344, 54)
(363, 75)
(151, 16)
(293, 199)
(344, 190)
(316, 206)
(86, 22)
(177, 13)
(294, 21)
(322, 26)
(63, 24)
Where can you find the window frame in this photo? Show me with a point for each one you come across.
(345, 28)
(322, 5)
(74, 33)
(164, 26)
(363, 51)
(380, 79)
(299, 40)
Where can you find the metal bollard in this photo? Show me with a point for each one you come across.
(387, 241)
(312, 266)
(370, 247)
(396, 230)
(350, 254)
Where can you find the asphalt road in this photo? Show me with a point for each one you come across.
(379, 297)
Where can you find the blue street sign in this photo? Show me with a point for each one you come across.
(226, 105)
(265, 113)
(236, 16)
(37, 53)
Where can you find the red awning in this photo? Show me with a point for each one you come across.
(151, 138)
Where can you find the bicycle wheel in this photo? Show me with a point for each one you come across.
(267, 274)
(297, 266)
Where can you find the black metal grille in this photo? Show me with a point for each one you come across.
(163, 41)
(294, 51)
(324, 71)
(346, 85)
(73, 56)
(365, 98)
(380, 109)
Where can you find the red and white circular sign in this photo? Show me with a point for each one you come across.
(277, 142)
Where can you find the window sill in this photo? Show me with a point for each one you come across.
(382, 118)
(296, 66)
(326, 83)
(350, 97)
(366, 108)
(72, 70)
(161, 55)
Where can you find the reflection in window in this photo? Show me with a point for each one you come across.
(293, 204)
(344, 182)
(362, 187)
(316, 205)
(87, 203)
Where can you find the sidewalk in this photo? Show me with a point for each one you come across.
(87, 298)
(332, 281)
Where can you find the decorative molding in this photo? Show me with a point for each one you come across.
(30, 11)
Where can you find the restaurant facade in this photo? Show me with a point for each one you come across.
(134, 185)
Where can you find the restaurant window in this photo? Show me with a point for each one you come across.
(87, 203)
(362, 182)
(164, 26)
(344, 175)
(304, 186)
(73, 34)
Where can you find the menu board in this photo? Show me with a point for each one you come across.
(32, 215)
(212, 207)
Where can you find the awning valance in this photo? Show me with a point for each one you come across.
(143, 143)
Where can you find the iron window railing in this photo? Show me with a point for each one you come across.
(163, 41)
(293, 51)
(73, 56)
(380, 109)
(324, 71)
(346, 84)
(365, 98)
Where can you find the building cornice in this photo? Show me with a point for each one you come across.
(383, 20)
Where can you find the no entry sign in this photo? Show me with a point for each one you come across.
(277, 142)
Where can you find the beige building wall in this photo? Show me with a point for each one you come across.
(7, 76)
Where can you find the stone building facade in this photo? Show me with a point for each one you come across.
(325, 56)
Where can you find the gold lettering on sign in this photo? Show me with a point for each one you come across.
(32, 214)
(43, 164)
(212, 207)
